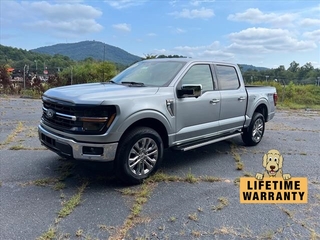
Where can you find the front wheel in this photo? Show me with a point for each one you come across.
(139, 155)
(253, 134)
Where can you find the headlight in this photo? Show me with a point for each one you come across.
(93, 123)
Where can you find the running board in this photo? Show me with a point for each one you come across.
(187, 147)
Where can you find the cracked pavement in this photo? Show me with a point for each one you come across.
(36, 184)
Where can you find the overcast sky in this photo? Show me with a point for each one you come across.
(257, 32)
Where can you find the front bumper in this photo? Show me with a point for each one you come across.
(77, 150)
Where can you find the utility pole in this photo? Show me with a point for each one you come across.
(104, 58)
(24, 76)
(71, 74)
(36, 66)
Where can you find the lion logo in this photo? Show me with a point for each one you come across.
(272, 162)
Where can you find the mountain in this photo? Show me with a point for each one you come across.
(90, 49)
(246, 67)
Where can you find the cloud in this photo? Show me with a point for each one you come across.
(60, 19)
(264, 40)
(203, 13)
(207, 51)
(213, 46)
(254, 16)
(175, 30)
(120, 4)
(314, 35)
(151, 35)
(199, 2)
(122, 27)
(214, 51)
(310, 22)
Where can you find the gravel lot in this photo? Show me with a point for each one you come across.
(195, 195)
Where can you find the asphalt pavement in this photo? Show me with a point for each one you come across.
(195, 194)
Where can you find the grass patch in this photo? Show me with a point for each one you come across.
(223, 202)
(234, 153)
(141, 196)
(196, 234)
(44, 182)
(239, 165)
(267, 235)
(59, 186)
(237, 181)
(162, 177)
(128, 191)
(50, 234)
(193, 217)
(210, 179)
(19, 128)
(73, 202)
(190, 178)
(18, 147)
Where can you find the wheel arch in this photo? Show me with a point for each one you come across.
(263, 109)
(152, 123)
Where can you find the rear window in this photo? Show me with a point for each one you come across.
(227, 77)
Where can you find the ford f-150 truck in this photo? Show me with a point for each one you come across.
(154, 104)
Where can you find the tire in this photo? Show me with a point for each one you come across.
(253, 134)
(139, 154)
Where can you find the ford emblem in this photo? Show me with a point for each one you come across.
(50, 113)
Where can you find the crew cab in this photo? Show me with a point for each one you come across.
(179, 103)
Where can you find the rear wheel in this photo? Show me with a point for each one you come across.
(139, 155)
(253, 134)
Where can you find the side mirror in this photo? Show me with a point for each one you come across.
(189, 90)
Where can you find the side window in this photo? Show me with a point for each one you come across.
(227, 77)
(199, 74)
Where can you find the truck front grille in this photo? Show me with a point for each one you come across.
(78, 119)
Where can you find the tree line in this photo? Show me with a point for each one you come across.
(61, 70)
(301, 75)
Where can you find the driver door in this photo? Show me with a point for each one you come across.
(198, 117)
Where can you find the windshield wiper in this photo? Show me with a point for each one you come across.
(139, 84)
(113, 82)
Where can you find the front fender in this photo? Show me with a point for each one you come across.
(144, 114)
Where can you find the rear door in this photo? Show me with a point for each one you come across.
(198, 117)
(233, 98)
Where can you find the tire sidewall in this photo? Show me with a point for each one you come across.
(247, 134)
(125, 146)
(254, 120)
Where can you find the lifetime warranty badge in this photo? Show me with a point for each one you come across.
(273, 186)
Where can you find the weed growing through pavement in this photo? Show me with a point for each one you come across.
(223, 202)
(19, 128)
(50, 234)
(193, 216)
(72, 203)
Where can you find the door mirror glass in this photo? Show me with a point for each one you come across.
(189, 90)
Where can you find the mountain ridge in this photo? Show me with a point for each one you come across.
(85, 49)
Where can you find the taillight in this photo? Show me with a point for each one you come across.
(275, 98)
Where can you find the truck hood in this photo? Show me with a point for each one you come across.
(96, 93)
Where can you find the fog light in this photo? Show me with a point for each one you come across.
(92, 150)
(93, 126)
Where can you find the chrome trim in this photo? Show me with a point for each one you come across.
(109, 149)
(61, 115)
(169, 104)
(208, 142)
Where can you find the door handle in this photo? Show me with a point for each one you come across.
(214, 101)
(241, 99)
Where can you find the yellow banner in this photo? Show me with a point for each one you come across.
(273, 190)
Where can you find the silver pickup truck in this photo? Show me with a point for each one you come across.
(154, 104)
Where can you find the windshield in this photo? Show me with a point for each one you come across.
(149, 73)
